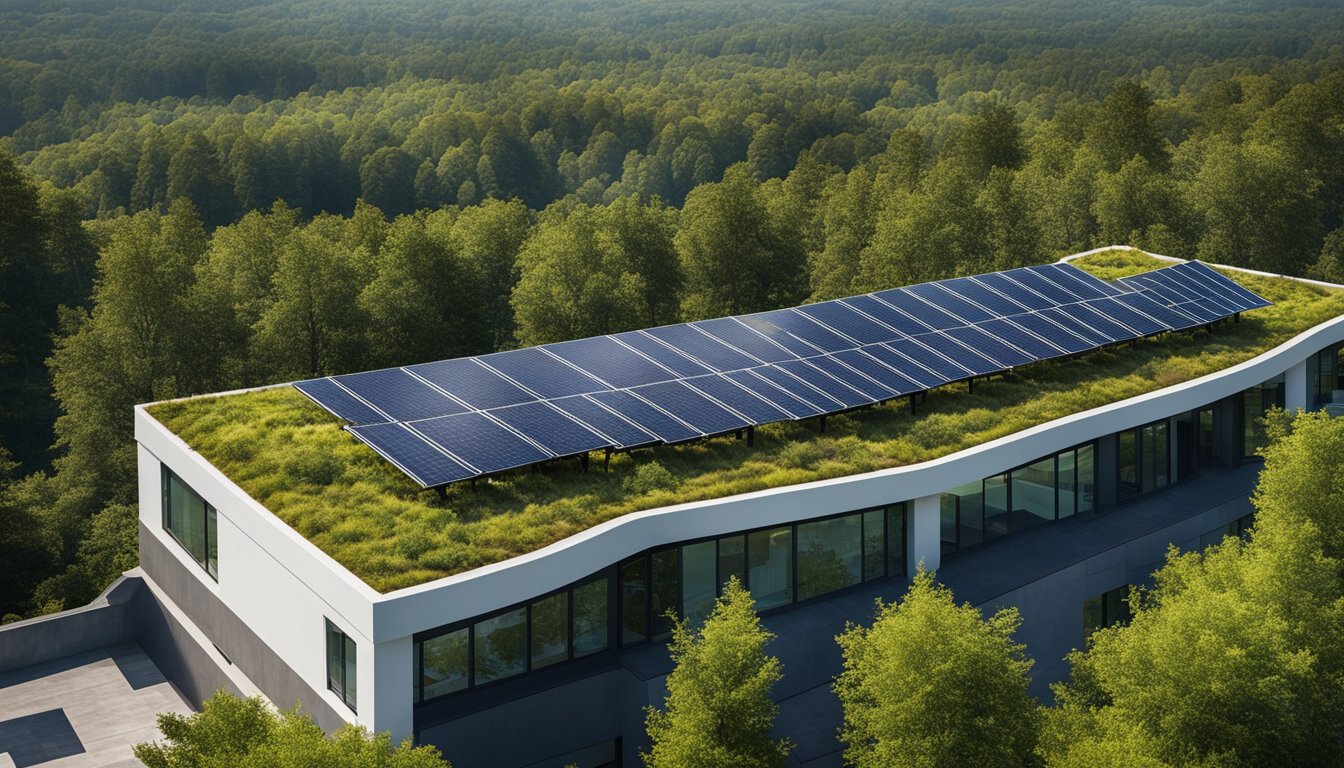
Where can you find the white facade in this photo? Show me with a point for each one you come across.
(282, 586)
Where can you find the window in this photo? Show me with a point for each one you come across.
(501, 646)
(1087, 477)
(699, 580)
(665, 593)
(444, 664)
(590, 617)
(634, 599)
(1143, 458)
(830, 555)
(1105, 610)
(1256, 402)
(732, 559)
(341, 671)
(770, 567)
(191, 521)
(1329, 375)
(549, 629)
(1033, 494)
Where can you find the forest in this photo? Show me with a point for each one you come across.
(197, 197)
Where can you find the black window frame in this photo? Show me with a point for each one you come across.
(341, 688)
(210, 521)
(1126, 492)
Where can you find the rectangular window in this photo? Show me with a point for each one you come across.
(947, 522)
(341, 669)
(1087, 478)
(1105, 610)
(549, 629)
(444, 664)
(830, 555)
(1127, 454)
(1208, 452)
(732, 560)
(1067, 484)
(590, 617)
(1033, 494)
(1256, 402)
(666, 591)
(1156, 461)
(874, 544)
(501, 646)
(634, 600)
(996, 506)
(770, 567)
(699, 580)
(896, 540)
(191, 521)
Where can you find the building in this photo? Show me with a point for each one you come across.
(549, 656)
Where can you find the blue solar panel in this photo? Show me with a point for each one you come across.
(886, 375)
(667, 428)
(731, 331)
(426, 464)
(1086, 315)
(975, 363)
(1011, 333)
(990, 346)
(1223, 286)
(623, 434)
(542, 373)
(799, 325)
(704, 348)
(480, 441)
(665, 355)
(1203, 310)
(1059, 336)
(399, 394)
(780, 398)
(874, 389)
(946, 368)
(1142, 325)
(812, 395)
(1040, 284)
(610, 361)
(551, 429)
(1166, 290)
(921, 375)
(1091, 335)
(331, 396)
(692, 407)
(848, 321)
(837, 389)
(887, 314)
(959, 307)
(929, 315)
(977, 292)
(1019, 293)
(744, 402)
(1083, 284)
(798, 347)
(472, 383)
(1169, 317)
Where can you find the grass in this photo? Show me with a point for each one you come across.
(295, 459)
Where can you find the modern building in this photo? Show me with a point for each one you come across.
(548, 656)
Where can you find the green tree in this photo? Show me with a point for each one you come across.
(488, 237)
(1124, 127)
(718, 712)
(990, 139)
(1330, 264)
(931, 683)
(387, 180)
(935, 232)
(1139, 205)
(247, 733)
(194, 172)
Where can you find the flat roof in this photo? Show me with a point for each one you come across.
(296, 459)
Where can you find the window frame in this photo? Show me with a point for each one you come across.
(343, 693)
(209, 522)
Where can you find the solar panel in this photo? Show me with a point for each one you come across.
(398, 394)
(452, 419)
(412, 454)
(551, 429)
(340, 402)
(472, 383)
(611, 362)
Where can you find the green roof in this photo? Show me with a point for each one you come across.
(296, 460)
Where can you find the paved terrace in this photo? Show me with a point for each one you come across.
(83, 711)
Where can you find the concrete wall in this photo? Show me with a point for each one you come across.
(108, 620)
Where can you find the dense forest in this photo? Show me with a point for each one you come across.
(203, 196)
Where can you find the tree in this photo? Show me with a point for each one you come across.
(935, 232)
(247, 733)
(1138, 205)
(1293, 489)
(931, 683)
(1330, 264)
(1123, 127)
(488, 237)
(387, 180)
(991, 139)
(718, 712)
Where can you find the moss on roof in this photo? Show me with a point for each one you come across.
(294, 458)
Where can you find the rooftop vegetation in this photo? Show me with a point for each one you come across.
(294, 458)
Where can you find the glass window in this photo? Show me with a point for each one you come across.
(1208, 452)
(1127, 455)
(1067, 484)
(590, 617)
(1105, 610)
(1156, 464)
(996, 506)
(830, 555)
(666, 591)
(1033, 494)
(699, 580)
(947, 522)
(444, 665)
(1087, 478)
(549, 628)
(1256, 402)
(501, 646)
(969, 500)
(733, 559)
(634, 601)
(770, 567)
(342, 673)
(896, 540)
(874, 544)
(191, 521)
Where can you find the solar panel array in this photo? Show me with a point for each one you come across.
(451, 420)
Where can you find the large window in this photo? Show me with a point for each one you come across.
(1329, 375)
(1256, 402)
(1105, 610)
(1143, 456)
(341, 669)
(830, 555)
(1050, 489)
(191, 521)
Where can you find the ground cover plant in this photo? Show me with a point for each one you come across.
(294, 458)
